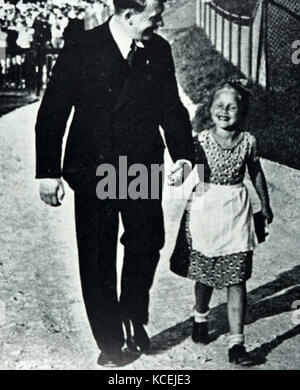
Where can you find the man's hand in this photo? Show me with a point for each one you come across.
(267, 213)
(52, 191)
(179, 172)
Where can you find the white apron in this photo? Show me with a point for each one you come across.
(221, 220)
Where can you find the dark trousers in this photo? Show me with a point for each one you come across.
(97, 223)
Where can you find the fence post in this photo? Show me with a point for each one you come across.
(198, 13)
(230, 36)
(216, 29)
(209, 21)
(239, 40)
(223, 28)
(204, 20)
(250, 48)
(265, 39)
(263, 44)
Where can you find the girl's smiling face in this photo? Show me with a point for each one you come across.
(225, 109)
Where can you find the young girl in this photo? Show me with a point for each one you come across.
(217, 236)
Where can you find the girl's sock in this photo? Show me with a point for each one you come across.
(200, 317)
(234, 339)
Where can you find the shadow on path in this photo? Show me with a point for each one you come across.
(268, 300)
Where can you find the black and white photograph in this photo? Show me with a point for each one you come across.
(150, 187)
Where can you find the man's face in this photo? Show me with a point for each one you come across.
(144, 24)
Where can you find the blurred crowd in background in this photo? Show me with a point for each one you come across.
(31, 33)
(42, 23)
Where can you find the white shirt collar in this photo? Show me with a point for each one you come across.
(122, 40)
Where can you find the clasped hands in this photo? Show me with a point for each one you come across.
(179, 172)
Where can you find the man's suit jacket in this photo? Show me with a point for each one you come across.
(117, 111)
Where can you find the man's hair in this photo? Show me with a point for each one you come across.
(136, 5)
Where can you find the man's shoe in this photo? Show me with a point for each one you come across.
(111, 359)
(200, 333)
(141, 338)
(238, 355)
(138, 342)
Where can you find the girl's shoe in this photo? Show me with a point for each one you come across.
(238, 355)
(200, 333)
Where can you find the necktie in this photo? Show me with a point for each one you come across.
(131, 54)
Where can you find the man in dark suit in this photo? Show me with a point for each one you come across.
(120, 79)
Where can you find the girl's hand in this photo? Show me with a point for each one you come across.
(267, 213)
(179, 172)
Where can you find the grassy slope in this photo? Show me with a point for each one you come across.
(274, 115)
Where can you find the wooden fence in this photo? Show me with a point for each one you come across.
(240, 39)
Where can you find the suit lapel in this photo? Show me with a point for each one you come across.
(112, 58)
(136, 80)
(121, 83)
(109, 66)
